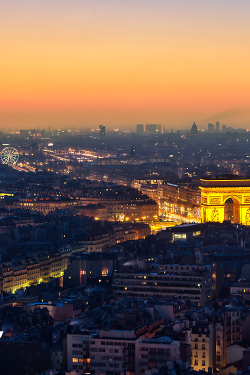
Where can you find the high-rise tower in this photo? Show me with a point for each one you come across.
(102, 130)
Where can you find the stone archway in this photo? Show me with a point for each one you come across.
(229, 196)
(232, 210)
(247, 217)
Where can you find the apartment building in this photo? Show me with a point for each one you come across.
(137, 210)
(219, 320)
(26, 272)
(241, 289)
(99, 241)
(156, 353)
(78, 357)
(202, 346)
(114, 352)
(170, 192)
(87, 265)
(21, 356)
(192, 282)
(44, 205)
(234, 320)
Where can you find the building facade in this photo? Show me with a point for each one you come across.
(171, 280)
(225, 199)
(202, 346)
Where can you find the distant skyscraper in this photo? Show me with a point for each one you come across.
(194, 129)
(217, 126)
(102, 130)
(139, 128)
(224, 128)
(151, 128)
(159, 128)
(210, 127)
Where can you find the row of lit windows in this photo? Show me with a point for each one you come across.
(75, 360)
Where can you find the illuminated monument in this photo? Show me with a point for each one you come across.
(225, 198)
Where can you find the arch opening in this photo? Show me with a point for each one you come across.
(232, 210)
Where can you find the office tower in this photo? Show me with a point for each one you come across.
(224, 128)
(150, 128)
(210, 127)
(139, 128)
(217, 125)
(102, 130)
(159, 128)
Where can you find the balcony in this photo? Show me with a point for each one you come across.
(161, 358)
(129, 354)
(127, 363)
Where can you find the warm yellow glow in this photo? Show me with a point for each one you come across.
(214, 198)
(238, 180)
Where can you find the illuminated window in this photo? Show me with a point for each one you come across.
(74, 359)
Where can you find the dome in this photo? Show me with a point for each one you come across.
(194, 128)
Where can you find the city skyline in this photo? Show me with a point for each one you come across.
(119, 64)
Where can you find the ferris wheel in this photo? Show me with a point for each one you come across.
(9, 156)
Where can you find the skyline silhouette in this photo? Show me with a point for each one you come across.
(74, 63)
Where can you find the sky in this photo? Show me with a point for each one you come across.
(70, 63)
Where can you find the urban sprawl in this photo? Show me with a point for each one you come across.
(125, 252)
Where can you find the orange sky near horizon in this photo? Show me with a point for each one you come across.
(76, 63)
